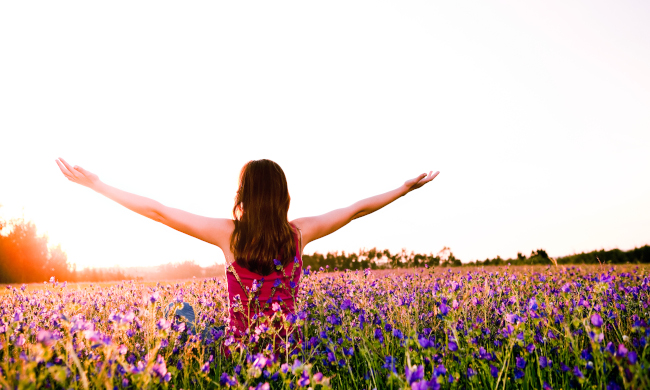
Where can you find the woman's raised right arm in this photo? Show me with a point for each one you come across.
(319, 226)
(216, 231)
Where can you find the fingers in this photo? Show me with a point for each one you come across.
(81, 170)
(67, 166)
(64, 170)
(422, 178)
(433, 176)
(427, 178)
(73, 171)
(418, 180)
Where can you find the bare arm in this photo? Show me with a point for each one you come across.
(212, 230)
(319, 226)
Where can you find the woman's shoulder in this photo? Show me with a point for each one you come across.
(223, 228)
(298, 223)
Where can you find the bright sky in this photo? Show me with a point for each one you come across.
(536, 115)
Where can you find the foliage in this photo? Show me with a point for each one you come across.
(26, 258)
(378, 259)
(614, 256)
(511, 328)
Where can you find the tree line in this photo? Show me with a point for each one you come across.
(379, 259)
(26, 258)
(382, 259)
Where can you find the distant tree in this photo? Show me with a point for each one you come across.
(393, 260)
(418, 260)
(25, 257)
(452, 261)
(539, 257)
(433, 261)
(372, 254)
(540, 253)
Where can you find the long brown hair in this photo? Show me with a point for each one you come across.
(262, 232)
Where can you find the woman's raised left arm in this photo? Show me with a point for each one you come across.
(213, 230)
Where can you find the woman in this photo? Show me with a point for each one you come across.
(263, 250)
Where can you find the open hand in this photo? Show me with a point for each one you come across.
(419, 181)
(77, 174)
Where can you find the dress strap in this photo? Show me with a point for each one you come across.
(299, 248)
(231, 269)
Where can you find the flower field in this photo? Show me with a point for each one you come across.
(465, 328)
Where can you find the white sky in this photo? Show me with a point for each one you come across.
(537, 116)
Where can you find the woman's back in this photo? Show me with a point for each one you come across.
(255, 298)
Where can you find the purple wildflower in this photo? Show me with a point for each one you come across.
(163, 324)
(154, 297)
(425, 342)
(520, 362)
(577, 372)
(425, 385)
(632, 357)
(414, 373)
(160, 368)
(20, 341)
(379, 335)
(444, 310)
(304, 379)
(543, 362)
(389, 363)
(45, 337)
(596, 320)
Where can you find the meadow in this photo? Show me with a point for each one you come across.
(450, 328)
